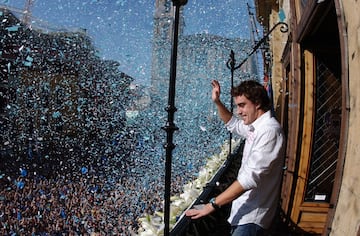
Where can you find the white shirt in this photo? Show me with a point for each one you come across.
(260, 172)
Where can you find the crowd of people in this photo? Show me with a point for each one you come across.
(90, 201)
(68, 206)
(103, 194)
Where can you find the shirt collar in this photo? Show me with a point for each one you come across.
(257, 123)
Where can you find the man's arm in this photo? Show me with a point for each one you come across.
(224, 113)
(231, 193)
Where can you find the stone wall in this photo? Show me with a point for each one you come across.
(347, 215)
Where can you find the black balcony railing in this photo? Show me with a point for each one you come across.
(214, 224)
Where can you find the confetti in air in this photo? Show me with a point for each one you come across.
(83, 92)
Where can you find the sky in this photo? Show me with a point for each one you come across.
(122, 29)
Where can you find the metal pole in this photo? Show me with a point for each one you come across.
(231, 65)
(170, 127)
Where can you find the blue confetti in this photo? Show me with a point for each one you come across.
(29, 59)
(56, 114)
(13, 28)
(20, 184)
(23, 172)
(84, 170)
(27, 63)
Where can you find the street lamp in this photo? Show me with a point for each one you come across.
(170, 127)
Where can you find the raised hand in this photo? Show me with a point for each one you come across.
(215, 91)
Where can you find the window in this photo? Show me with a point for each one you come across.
(326, 134)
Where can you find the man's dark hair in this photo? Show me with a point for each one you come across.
(253, 91)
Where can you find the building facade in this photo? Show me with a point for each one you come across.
(315, 69)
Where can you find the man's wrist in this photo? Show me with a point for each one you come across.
(212, 201)
(217, 102)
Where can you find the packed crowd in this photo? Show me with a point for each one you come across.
(88, 202)
(124, 180)
(61, 206)
(106, 198)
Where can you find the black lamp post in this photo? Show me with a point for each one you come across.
(170, 127)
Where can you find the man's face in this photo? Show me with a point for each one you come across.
(247, 110)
